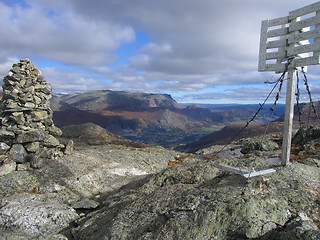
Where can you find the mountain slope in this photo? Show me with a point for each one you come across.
(231, 131)
(119, 100)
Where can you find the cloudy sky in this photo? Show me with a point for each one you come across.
(202, 51)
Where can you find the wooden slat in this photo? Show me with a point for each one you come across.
(278, 32)
(304, 10)
(294, 50)
(263, 44)
(243, 172)
(278, 21)
(299, 25)
(296, 37)
(259, 173)
(314, 60)
(317, 39)
(279, 43)
(274, 67)
(280, 54)
(232, 169)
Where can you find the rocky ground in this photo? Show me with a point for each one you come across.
(114, 189)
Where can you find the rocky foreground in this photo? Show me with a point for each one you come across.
(114, 189)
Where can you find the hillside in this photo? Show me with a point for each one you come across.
(231, 131)
(119, 100)
(150, 118)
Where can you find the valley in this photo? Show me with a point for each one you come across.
(155, 119)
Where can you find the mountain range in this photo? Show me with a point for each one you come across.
(150, 118)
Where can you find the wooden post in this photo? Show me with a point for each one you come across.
(288, 118)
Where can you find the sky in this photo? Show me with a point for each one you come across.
(199, 51)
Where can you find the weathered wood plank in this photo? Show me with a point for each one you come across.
(232, 169)
(259, 173)
(296, 37)
(274, 67)
(278, 32)
(278, 43)
(304, 10)
(288, 117)
(263, 44)
(317, 39)
(299, 25)
(243, 172)
(278, 21)
(294, 50)
(280, 54)
(314, 60)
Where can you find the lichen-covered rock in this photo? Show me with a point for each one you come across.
(7, 167)
(251, 145)
(69, 147)
(35, 217)
(306, 135)
(18, 153)
(185, 202)
(301, 227)
(4, 147)
(85, 204)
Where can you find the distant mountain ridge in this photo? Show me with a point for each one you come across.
(119, 100)
(150, 118)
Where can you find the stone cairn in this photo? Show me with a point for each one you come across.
(27, 134)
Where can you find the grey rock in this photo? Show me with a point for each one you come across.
(53, 130)
(251, 145)
(23, 167)
(301, 227)
(18, 117)
(32, 147)
(35, 217)
(7, 167)
(36, 161)
(85, 204)
(6, 134)
(18, 153)
(4, 147)
(35, 135)
(193, 205)
(69, 148)
(39, 115)
(306, 134)
(30, 105)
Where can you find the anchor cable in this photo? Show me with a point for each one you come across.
(310, 97)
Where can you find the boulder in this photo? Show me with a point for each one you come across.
(306, 135)
(18, 153)
(251, 145)
(35, 217)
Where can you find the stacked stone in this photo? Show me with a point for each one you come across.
(27, 129)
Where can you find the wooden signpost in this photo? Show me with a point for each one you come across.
(286, 44)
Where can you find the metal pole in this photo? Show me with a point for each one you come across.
(288, 118)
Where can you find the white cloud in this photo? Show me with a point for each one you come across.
(194, 44)
(6, 65)
(64, 36)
